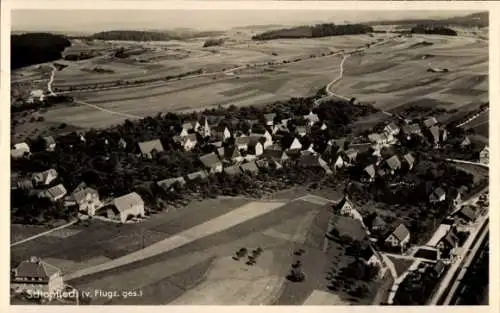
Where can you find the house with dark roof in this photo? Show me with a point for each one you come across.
(241, 142)
(399, 238)
(448, 243)
(233, 170)
(351, 155)
(122, 144)
(411, 130)
(438, 195)
(301, 131)
(438, 269)
(276, 155)
(250, 167)
(127, 205)
(269, 118)
(313, 161)
(211, 162)
(466, 142)
(311, 118)
(467, 213)
(168, 185)
(255, 147)
(266, 135)
(221, 133)
(233, 154)
(371, 257)
(50, 143)
(345, 207)
(189, 126)
(484, 155)
(35, 276)
(148, 148)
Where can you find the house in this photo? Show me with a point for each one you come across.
(435, 135)
(313, 161)
(255, 147)
(268, 138)
(189, 126)
(411, 130)
(371, 257)
(339, 163)
(36, 276)
(467, 213)
(399, 238)
(457, 200)
(148, 148)
(204, 130)
(294, 145)
(311, 118)
(345, 208)
(269, 119)
(50, 143)
(54, 193)
(168, 185)
(448, 243)
(232, 170)
(392, 129)
(484, 155)
(122, 143)
(20, 150)
(466, 142)
(409, 160)
(250, 168)
(351, 155)
(370, 172)
(279, 128)
(45, 177)
(438, 195)
(431, 121)
(221, 133)
(339, 143)
(242, 142)
(376, 138)
(323, 126)
(127, 205)
(211, 162)
(301, 131)
(233, 154)
(393, 164)
(187, 142)
(87, 200)
(276, 155)
(197, 175)
(375, 223)
(438, 269)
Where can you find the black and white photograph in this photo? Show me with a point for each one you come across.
(249, 157)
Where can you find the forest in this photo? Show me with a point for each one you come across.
(35, 48)
(319, 30)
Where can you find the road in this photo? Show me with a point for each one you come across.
(472, 118)
(51, 80)
(107, 110)
(469, 249)
(43, 234)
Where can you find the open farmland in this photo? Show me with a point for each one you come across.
(391, 74)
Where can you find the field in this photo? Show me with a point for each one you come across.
(393, 74)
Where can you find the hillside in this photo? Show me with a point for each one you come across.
(134, 35)
(34, 48)
(472, 20)
(320, 30)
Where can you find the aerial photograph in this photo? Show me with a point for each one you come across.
(249, 157)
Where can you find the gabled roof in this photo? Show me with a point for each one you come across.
(375, 137)
(351, 153)
(127, 201)
(409, 158)
(81, 194)
(169, 182)
(36, 268)
(366, 253)
(342, 203)
(370, 170)
(197, 175)
(312, 117)
(189, 125)
(392, 127)
(439, 192)
(468, 212)
(254, 141)
(378, 222)
(242, 140)
(183, 139)
(49, 140)
(466, 141)
(231, 153)
(56, 191)
(147, 147)
(301, 129)
(412, 129)
(310, 159)
(210, 160)
(232, 170)
(431, 121)
(401, 232)
(393, 162)
(450, 238)
(250, 167)
(276, 155)
(435, 132)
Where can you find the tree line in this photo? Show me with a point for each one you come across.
(319, 30)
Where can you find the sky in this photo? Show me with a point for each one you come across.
(89, 21)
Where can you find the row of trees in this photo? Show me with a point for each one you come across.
(319, 30)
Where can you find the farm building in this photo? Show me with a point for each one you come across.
(187, 142)
(399, 238)
(438, 195)
(148, 148)
(168, 185)
(54, 193)
(211, 162)
(44, 178)
(87, 200)
(35, 275)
